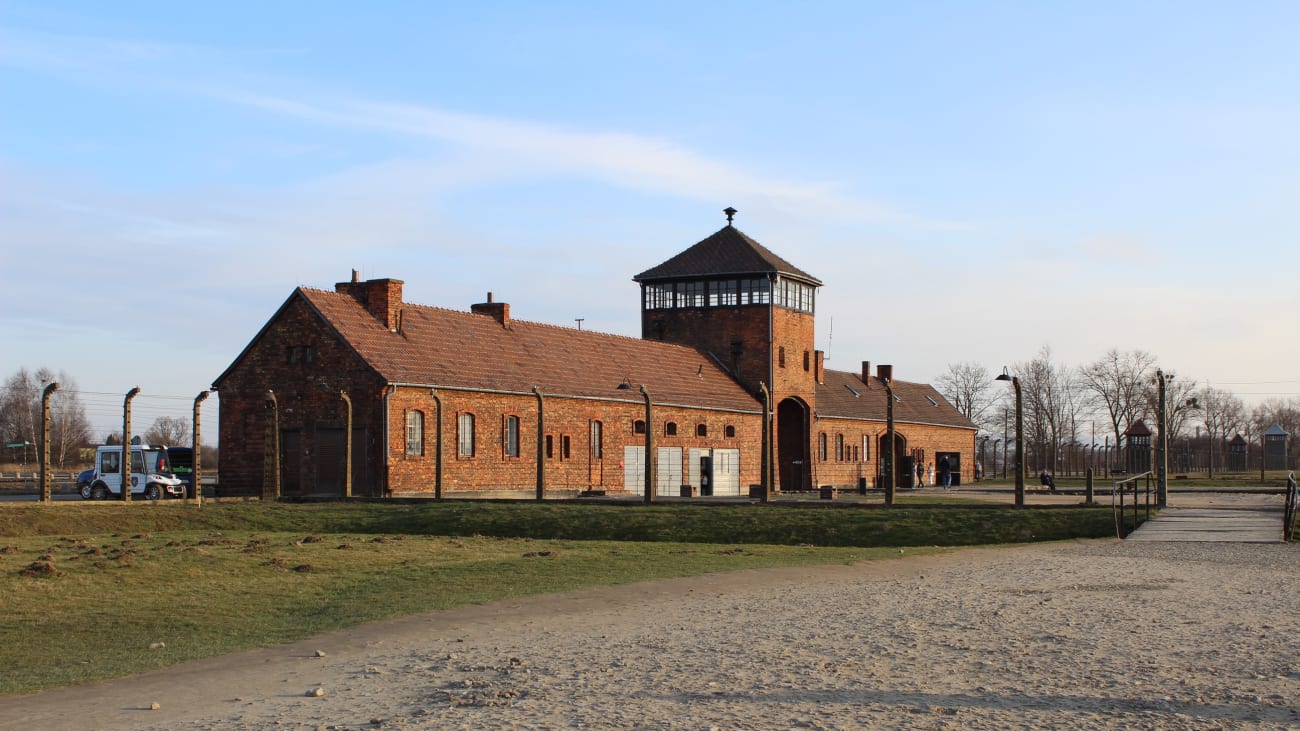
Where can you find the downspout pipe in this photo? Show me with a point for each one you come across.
(890, 471)
(388, 394)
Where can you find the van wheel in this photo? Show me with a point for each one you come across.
(86, 491)
(99, 491)
(152, 492)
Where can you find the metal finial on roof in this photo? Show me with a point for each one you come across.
(731, 213)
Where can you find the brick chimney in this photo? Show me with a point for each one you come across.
(866, 372)
(885, 372)
(381, 297)
(499, 311)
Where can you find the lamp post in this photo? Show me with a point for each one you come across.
(1162, 441)
(1020, 437)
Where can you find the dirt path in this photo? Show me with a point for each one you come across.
(1093, 634)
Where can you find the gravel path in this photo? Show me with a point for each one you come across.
(1089, 634)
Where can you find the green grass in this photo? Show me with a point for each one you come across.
(224, 577)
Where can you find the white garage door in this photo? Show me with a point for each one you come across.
(634, 470)
(726, 472)
(668, 477)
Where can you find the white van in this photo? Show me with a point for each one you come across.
(151, 475)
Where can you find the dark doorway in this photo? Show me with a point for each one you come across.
(329, 461)
(900, 453)
(792, 446)
(291, 462)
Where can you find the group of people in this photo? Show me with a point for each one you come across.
(945, 474)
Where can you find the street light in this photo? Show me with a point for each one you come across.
(1020, 437)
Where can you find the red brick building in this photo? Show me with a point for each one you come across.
(357, 391)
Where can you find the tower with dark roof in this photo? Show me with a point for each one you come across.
(753, 312)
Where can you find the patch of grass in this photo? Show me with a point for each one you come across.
(91, 591)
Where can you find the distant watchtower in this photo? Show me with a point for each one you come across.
(754, 313)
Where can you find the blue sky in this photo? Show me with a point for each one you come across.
(971, 181)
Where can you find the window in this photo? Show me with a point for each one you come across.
(564, 447)
(465, 437)
(701, 430)
(755, 291)
(866, 448)
(722, 293)
(729, 431)
(839, 447)
(110, 462)
(414, 433)
(511, 436)
(780, 356)
(638, 427)
(821, 446)
(806, 361)
(597, 440)
(550, 447)
(670, 429)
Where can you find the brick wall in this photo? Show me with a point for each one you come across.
(844, 472)
(489, 468)
(306, 365)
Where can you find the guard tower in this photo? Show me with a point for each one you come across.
(1237, 454)
(753, 312)
(1137, 453)
(1275, 448)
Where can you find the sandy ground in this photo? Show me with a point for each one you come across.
(1090, 634)
(1097, 634)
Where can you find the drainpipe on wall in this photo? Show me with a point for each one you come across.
(541, 445)
(891, 457)
(437, 446)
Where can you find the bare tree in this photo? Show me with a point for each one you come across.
(1222, 414)
(168, 430)
(1117, 381)
(69, 427)
(20, 410)
(970, 389)
(1051, 407)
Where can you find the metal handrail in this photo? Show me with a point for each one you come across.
(1117, 489)
(1292, 503)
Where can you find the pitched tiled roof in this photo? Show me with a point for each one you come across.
(727, 252)
(439, 347)
(844, 395)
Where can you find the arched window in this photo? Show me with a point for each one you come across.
(670, 429)
(511, 436)
(821, 446)
(597, 440)
(780, 356)
(839, 447)
(465, 435)
(638, 427)
(414, 433)
(729, 431)
(701, 430)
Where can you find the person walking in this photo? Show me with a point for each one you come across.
(920, 474)
(945, 473)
